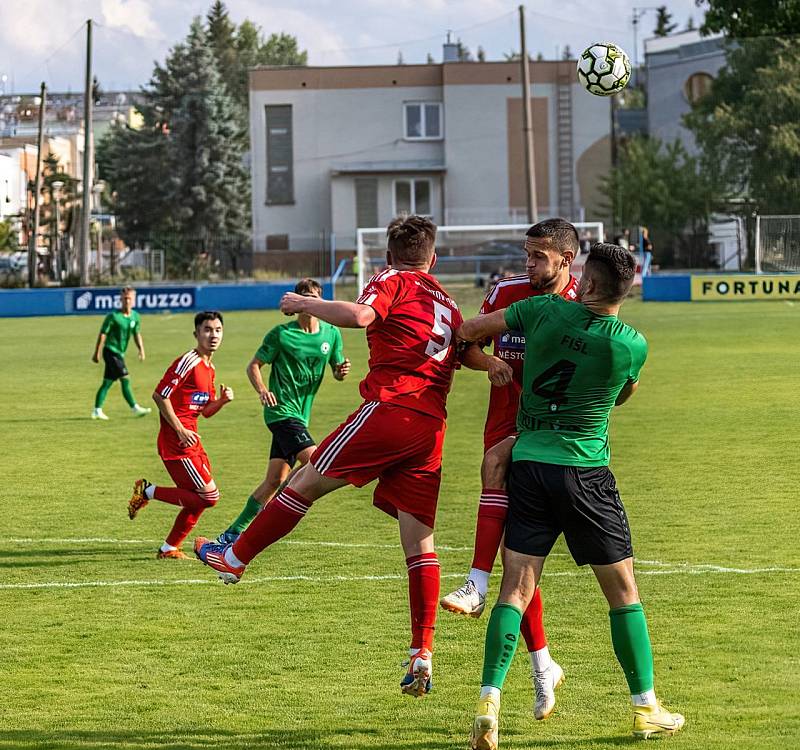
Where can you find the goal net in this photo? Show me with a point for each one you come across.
(778, 244)
(466, 250)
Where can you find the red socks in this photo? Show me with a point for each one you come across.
(532, 627)
(489, 528)
(193, 504)
(423, 596)
(274, 522)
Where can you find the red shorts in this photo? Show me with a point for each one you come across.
(190, 473)
(496, 431)
(399, 447)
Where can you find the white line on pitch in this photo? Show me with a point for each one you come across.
(681, 569)
(299, 543)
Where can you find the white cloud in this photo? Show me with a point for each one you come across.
(133, 15)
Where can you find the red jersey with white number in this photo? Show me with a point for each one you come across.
(412, 353)
(188, 383)
(501, 419)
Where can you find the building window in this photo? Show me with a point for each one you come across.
(366, 201)
(423, 121)
(697, 86)
(412, 197)
(280, 160)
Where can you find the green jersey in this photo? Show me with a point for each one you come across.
(576, 364)
(298, 362)
(119, 328)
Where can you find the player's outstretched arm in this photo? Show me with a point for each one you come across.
(185, 437)
(212, 407)
(482, 326)
(336, 312)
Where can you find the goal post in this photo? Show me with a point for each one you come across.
(777, 241)
(462, 244)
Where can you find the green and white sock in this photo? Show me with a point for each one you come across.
(632, 646)
(502, 636)
(127, 392)
(245, 518)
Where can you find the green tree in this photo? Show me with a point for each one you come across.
(662, 187)
(745, 18)
(8, 237)
(748, 126)
(664, 24)
(180, 180)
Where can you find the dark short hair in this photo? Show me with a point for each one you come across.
(613, 269)
(561, 233)
(126, 289)
(202, 317)
(411, 239)
(304, 286)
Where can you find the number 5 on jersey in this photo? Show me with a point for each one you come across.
(442, 327)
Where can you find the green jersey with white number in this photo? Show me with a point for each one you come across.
(298, 362)
(576, 364)
(119, 328)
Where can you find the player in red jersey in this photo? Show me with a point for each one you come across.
(551, 246)
(395, 436)
(186, 391)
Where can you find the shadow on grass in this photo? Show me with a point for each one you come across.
(349, 738)
(36, 557)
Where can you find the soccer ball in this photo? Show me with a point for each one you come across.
(604, 69)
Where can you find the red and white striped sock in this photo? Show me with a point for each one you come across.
(423, 597)
(274, 522)
(489, 528)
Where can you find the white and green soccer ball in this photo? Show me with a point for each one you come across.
(604, 69)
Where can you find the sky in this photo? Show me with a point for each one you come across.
(44, 40)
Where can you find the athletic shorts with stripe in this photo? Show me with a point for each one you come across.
(400, 447)
(190, 473)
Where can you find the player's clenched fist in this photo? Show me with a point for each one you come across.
(500, 372)
(225, 392)
(340, 371)
(268, 398)
(292, 303)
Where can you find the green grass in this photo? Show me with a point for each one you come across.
(159, 654)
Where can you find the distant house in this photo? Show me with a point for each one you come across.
(336, 148)
(680, 69)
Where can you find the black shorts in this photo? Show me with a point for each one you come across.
(115, 365)
(545, 500)
(289, 437)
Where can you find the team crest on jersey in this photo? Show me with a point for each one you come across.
(325, 348)
(200, 398)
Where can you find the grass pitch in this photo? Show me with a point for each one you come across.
(104, 646)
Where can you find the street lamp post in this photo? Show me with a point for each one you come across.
(56, 186)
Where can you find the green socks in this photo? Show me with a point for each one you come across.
(632, 646)
(127, 393)
(102, 392)
(501, 643)
(250, 511)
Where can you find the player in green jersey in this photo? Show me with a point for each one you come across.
(115, 333)
(580, 361)
(298, 353)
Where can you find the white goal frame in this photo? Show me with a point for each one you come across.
(758, 248)
(363, 232)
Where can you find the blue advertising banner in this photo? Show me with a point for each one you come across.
(94, 301)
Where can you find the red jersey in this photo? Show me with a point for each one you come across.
(412, 353)
(188, 383)
(501, 419)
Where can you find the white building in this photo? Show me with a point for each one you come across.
(336, 148)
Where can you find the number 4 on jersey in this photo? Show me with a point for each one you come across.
(552, 384)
